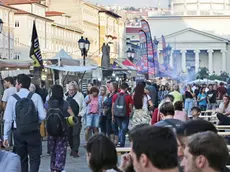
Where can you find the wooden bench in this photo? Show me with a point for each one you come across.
(224, 133)
(123, 150)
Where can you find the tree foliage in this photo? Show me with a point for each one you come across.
(204, 74)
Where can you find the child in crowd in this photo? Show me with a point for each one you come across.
(196, 111)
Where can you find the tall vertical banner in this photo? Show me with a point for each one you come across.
(163, 46)
(142, 63)
(152, 56)
(35, 51)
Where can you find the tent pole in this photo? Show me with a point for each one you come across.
(65, 78)
(82, 77)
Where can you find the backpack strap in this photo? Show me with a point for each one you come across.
(17, 97)
(30, 95)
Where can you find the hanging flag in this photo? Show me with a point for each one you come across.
(142, 63)
(35, 51)
(152, 56)
(163, 46)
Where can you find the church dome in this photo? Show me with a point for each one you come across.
(200, 7)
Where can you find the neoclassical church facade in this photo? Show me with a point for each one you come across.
(198, 32)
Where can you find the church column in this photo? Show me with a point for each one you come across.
(197, 60)
(198, 7)
(183, 66)
(171, 59)
(210, 61)
(185, 7)
(224, 60)
(172, 7)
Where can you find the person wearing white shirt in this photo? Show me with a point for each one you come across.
(25, 144)
(74, 98)
(9, 91)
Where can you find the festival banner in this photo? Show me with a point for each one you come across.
(35, 51)
(163, 46)
(142, 63)
(151, 54)
(144, 66)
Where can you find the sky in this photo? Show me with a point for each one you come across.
(135, 3)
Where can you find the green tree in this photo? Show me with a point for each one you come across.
(224, 76)
(203, 73)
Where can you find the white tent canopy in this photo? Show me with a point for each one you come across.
(72, 68)
(206, 81)
(64, 59)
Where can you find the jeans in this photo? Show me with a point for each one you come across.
(123, 123)
(28, 144)
(211, 106)
(188, 106)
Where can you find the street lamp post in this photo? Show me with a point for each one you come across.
(130, 54)
(1, 25)
(84, 46)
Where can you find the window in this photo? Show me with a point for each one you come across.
(16, 23)
(16, 41)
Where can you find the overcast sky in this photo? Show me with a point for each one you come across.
(135, 3)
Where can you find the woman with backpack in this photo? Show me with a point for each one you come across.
(93, 112)
(57, 110)
(142, 102)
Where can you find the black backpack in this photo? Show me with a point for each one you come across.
(26, 115)
(55, 122)
(120, 106)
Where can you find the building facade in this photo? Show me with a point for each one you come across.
(99, 25)
(63, 35)
(7, 35)
(26, 14)
(198, 40)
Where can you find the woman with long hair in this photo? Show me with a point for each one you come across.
(189, 100)
(101, 154)
(112, 128)
(202, 99)
(141, 103)
(224, 111)
(58, 144)
(103, 121)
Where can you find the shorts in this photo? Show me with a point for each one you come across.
(93, 120)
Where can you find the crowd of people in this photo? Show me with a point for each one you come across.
(162, 122)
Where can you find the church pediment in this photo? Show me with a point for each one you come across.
(191, 35)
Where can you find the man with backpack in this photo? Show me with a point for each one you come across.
(77, 104)
(121, 109)
(26, 111)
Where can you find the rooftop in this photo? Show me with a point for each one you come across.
(54, 13)
(17, 2)
(37, 16)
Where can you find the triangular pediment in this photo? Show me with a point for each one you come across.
(194, 36)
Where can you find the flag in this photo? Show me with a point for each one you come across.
(152, 56)
(35, 51)
(163, 46)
